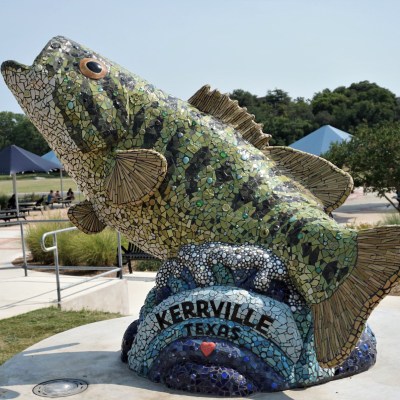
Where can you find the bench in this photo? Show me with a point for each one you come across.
(133, 253)
(61, 203)
(11, 215)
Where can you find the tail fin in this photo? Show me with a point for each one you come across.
(340, 320)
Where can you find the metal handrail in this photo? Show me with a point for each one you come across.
(54, 233)
(21, 224)
(54, 248)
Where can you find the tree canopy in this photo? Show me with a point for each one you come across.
(372, 157)
(360, 103)
(287, 120)
(345, 108)
(17, 129)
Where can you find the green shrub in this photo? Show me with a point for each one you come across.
(360, 226)
(29, 197)
(75, 247)
(99, 249)
(34, 235)
(391, 219)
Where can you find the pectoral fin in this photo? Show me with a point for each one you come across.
(340, 320)
(324, 180)
(84, 217)
(136, 174)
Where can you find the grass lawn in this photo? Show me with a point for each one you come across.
(31, 185)
(18, 333)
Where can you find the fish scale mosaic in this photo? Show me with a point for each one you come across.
(260, 289)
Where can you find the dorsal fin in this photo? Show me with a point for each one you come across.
(222, 107)
(83, 216)
(135, 175)
(323, 179)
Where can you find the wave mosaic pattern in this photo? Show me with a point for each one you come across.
(253, 259)
(246, 329)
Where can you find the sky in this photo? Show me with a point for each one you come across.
(299, 46)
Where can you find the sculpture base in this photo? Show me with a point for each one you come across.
(226, 320)
(204, 349)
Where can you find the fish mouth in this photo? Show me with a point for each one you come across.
(11, 71)
(12, 67)
(57, 43)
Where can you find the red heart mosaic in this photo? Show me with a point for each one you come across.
(207, 348)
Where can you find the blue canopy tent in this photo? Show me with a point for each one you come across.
(14, 159)
(51, 156)
(319, 141)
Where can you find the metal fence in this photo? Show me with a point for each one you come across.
(54, 248)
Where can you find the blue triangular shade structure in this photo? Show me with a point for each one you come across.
(319, 141)
(14, 159)
(51, 156)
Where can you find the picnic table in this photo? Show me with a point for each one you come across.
(9, 214)
(30, 206)
(27, 206)
(27, 203)
(62, 203)
(66, 203)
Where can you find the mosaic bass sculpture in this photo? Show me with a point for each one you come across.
(255, 268)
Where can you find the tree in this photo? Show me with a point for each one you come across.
(372, 157)
(285, 119)
(360, 103)
(245, 99)
(17, 129)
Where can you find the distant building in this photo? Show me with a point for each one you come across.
(319, 141)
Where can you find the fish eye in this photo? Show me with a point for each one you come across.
(92, 68)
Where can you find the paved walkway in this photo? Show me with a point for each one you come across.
(362, 208)
(20, 293)
(91, 353)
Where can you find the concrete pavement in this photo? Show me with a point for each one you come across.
(91, 353)
(20, 294)
(362, 208)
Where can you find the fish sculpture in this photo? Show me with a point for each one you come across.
(168, 173)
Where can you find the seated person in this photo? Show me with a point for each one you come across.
(50, 198)
(11, 202)
(40, 201)
(57, 197)
(70, 195)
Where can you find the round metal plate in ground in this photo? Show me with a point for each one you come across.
(60, 387)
